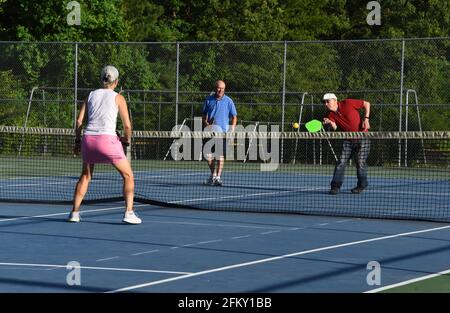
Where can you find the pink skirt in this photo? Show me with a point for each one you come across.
(102, 149)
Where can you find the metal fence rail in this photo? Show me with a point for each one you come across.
(279, 82)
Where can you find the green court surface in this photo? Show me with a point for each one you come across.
(436, 284)
(22, 167)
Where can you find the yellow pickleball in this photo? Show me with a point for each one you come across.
(295, 125)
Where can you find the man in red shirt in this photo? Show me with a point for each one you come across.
(345, 116)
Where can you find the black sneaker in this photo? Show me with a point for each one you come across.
(334, 191)
(357, 189)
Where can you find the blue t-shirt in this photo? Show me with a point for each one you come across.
(219, 111)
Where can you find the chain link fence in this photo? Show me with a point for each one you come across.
(275, 83)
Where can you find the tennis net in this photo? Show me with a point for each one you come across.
(408, 172)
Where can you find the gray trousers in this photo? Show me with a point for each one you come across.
(358, 148)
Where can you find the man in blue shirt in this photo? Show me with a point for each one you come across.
(216, 113)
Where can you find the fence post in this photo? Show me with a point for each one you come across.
(401, 103)
(177, 83)
(75, 87)
(283, 99)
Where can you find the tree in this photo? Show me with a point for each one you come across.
(399, 19)
(147, 23)
(11, 112)
(30, 20)
(207, 20)
(315, 19)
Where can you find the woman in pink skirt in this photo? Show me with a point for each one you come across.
(100, 143)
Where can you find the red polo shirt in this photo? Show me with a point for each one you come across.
(347, 115)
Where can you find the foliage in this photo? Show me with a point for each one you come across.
(313, 66)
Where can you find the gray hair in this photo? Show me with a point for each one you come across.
(109, 75)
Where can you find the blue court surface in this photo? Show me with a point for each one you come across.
(197, 251)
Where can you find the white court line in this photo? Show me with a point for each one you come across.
(220, 225)
(145, 252)
(245, 196)
(278, 187)
(442, 194)
(240, 237)
(270, 232)
(95, 268)
(163, 176)
(224, 268)
(372, 189)
(38, 184)
(107, 259)
(382, 208)
(65, 213)
(219, 240)
(280, 193)
(209, 241)
(406, 282)
(347, 220)
(98, 176)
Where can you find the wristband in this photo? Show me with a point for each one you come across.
(366, 117)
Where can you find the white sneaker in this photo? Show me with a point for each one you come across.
(74, 217)
(131, 218)
(217, 182)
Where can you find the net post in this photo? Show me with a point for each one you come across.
(299, 123)
(174, 141)
(26, 117)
